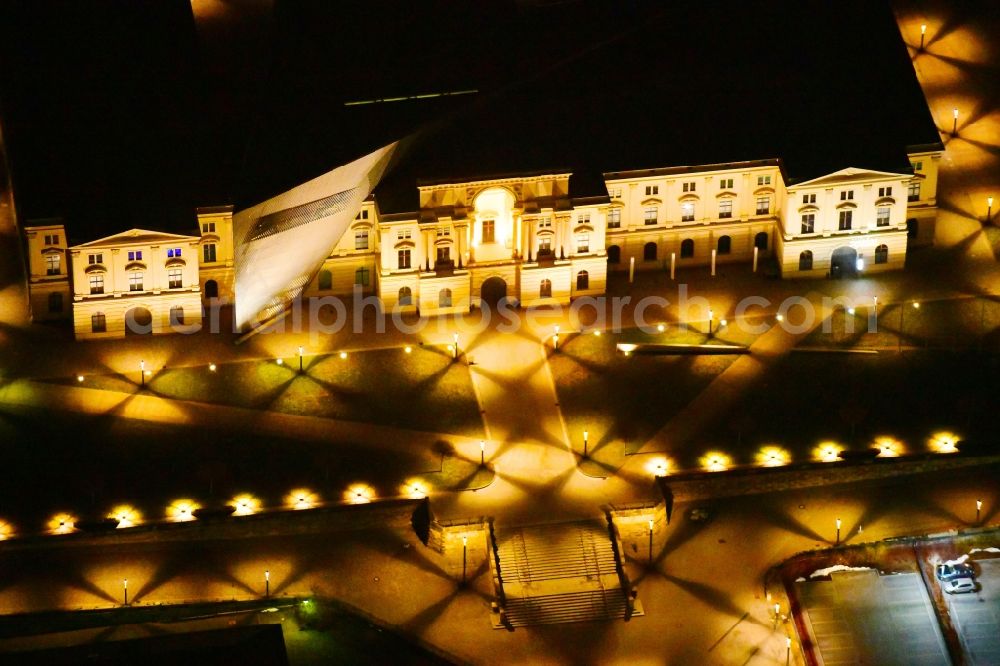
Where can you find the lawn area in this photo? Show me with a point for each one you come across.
(623, 400)
(944, 324)
(422, 390)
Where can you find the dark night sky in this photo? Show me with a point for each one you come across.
(121, 113)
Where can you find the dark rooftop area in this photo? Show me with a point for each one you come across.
(115, 117)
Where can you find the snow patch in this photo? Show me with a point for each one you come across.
(991, 549)
(836, 567)
(959, 560)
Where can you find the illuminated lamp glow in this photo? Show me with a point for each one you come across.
(626, 348)
(715, 461)
(773, 456)
(828, 452)
(302, 498)
(359, 493)
(414, 488)
(888, 447)
(408, 349)
(661, 328)
(280, 362)
(343, 354)
(182, 510)
(597, 332)
(944, 442)
(860, 263)
(658, 466)
(62, 523)
(126, 515)
(79, 378)
(6, 530)
(779, 318)
(245, 505)
(850, 311)
(212, 367)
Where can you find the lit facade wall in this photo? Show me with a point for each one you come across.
(282, 243)
(922, 197)
(689, 211)
(48, 272)
(147, 278)
(217, 272)
(852, 210)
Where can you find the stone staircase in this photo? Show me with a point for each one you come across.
(559, 573)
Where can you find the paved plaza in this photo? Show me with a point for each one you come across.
(977, 616)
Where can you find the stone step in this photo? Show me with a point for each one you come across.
(569, 607)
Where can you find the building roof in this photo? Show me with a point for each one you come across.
(133, 237)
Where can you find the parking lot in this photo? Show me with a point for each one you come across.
(860, 617)
(977, 616)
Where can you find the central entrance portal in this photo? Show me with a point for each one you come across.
(493, 291)
(844, 262)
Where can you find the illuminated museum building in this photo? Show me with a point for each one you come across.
(537, 239)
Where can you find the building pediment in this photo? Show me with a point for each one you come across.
(885, 201)
(651, 201)
(135, 237)
(851, 175)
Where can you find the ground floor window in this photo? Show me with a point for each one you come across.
(405, 296)
(614, 255)
(177, 316)
(444, 298)
(55, 302)
(649, 252)
(805, 260)
(725, 245)
(582, 280)
(760, 241)
(882, 254)
(98, 323)
(362, 276)
(687, 248)
(325, 280)
(545, 289)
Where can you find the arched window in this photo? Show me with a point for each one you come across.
(725, 245)
(760, 241)
(805, 260)
(444, 298)
(882, 254)
(405, 296)
(325, 280)
(687, 248)
(614, 255)
(582, 280)
(177, 316)
(55, 302)
(545, 289)
(911, 227)
(649, 252)
(211, 289)
(98, 323)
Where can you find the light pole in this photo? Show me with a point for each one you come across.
(954, 125)
(711, 315)
(555, 337)
(455, 347)
(465, 550)
(989, 208)
(142, 373)
(482, 453)
(650, 541)
(979, 509)
(923, 31)
(300, 358)
(777, 611)
(125, 590)
(838, 531)
(788, 640)
(267, 582)
(585, 433)
(875, 311)
(902, 310)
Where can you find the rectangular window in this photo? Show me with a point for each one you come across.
(913, 192)
(52, 264)
(171, 252)
(135, 281)
(97, 284)
(361, 277)
(763, 205)
(174, 278)
(918, 166)
(545, 245)
(361, 240)
(652, 190)
(444, 254)
(443, 231)
(885, 191)
(614, 218)
(404, 234)
(98, 324)
(52, 240)
(208, 252)
(726, 184)
(687, 212)
(95, 259)
(137, 255)
(208, 228)
(615, 192)
(847, 195)
(808, 198)
(362, 214)
(650, 215)
(688, 187)
(583, 218)
(725, 208)
(763, 180)
(582, 243)
(545, 223)
(882, 216)
(489, 231)
(403, 259)
(808, 222)
(846, 217)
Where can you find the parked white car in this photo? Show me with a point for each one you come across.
(960, 586)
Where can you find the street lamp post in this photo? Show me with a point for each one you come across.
(989, 208)
(125, 590)
(788, 647)
(711, 315)
(651, 541)
(838, 531)
(267, 582)
(142, 373)
(585, 433)
(777, 612)
(465, 550)
(300, 358)
(455, 346)
(482, 453)
(979, 509)
(875, 311)
(923, 31)
(555, 337)
(954, 125)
